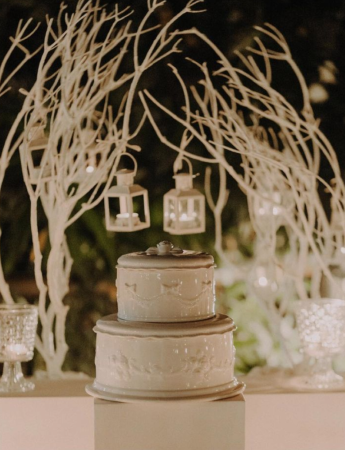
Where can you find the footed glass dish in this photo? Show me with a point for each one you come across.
(321, 327)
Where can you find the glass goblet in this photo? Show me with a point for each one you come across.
(18, 325)
(321, 328)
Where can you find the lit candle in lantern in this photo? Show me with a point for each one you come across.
(189, 221)
(122, 219)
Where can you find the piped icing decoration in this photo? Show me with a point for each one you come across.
(164, 248)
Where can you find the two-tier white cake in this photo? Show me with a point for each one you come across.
(166, 342)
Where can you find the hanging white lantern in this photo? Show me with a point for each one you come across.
(268, 205)
(126, 204)
(92, 151)
(39, 164)
(184, 206)
(88, 155)
(271, 206)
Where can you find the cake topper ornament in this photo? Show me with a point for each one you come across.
(164, 248)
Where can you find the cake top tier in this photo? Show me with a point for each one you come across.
(165, 255)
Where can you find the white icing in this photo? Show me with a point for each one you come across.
(196, 359)
(166, 295)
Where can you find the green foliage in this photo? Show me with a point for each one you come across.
(92, 249)
(253, 340)
(87, 306)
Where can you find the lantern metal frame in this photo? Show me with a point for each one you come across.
(126, 191)
(194, 220)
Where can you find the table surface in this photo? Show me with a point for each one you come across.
(258, 382)
(59, 415)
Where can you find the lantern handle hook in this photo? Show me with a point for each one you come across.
(179, 163)
(117, 160)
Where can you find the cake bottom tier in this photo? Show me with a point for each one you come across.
(145, 360)
(133, 396)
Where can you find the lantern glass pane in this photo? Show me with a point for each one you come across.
(115, 208)
(119, 212)
(37, 156)
(170, 215)
(139, 207)
(122, 208)
(189, 213)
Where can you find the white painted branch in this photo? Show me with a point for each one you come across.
(286, 161)
(77, 72)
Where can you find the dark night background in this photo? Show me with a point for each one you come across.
(315, 32)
